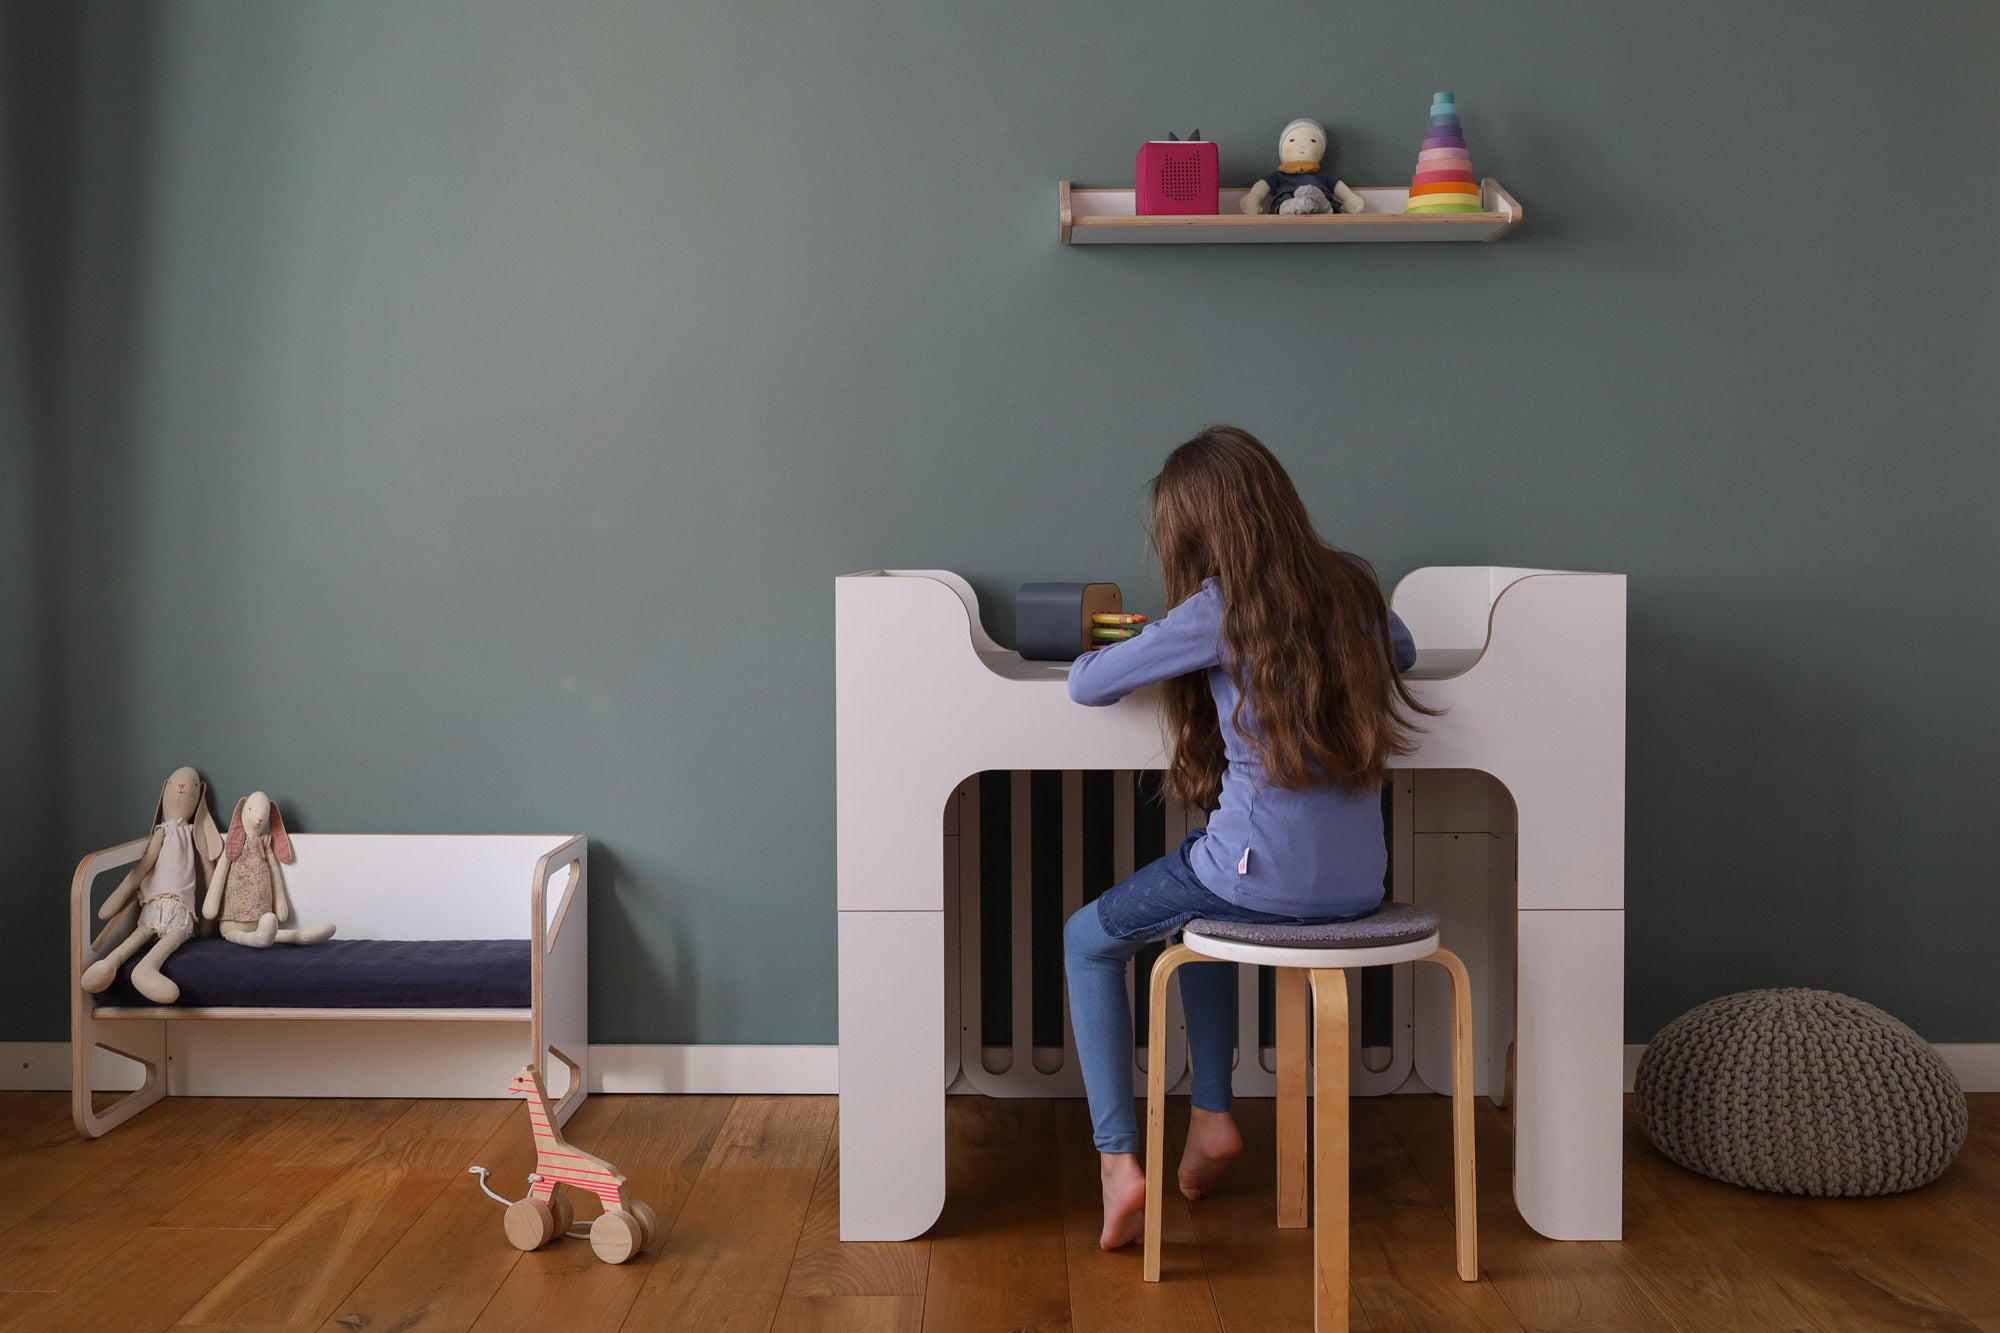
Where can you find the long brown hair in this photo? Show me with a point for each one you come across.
(1305, 628)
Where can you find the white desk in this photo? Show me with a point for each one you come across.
(1529, 666)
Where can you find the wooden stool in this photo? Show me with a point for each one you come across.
(1398, 933)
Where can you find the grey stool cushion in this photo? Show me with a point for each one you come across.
(1391, 923)
(1800, 1092)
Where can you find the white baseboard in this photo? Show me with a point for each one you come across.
(719, 1069)
(43, 1066)
(1976, 1063)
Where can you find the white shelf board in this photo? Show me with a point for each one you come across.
(1105, 217)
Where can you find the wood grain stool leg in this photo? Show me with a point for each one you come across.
(1156, 1101)
(1291, 1024)
(1330, 1144)
(1465, 1203)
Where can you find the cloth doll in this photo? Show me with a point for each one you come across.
(1301, 184)
(184, 844)
(247, 889)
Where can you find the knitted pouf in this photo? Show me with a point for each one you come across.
(1800, 1092)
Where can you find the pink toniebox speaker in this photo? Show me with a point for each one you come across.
(1174, 176)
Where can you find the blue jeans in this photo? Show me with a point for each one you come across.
(1098, 943)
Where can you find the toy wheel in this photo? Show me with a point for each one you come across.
(531, 1224)
(649, 1226)
(615, 1236)
(564, 1210)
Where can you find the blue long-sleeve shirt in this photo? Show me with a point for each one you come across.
(1317, 852)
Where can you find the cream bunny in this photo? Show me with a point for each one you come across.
(183, 845)
(248, 888)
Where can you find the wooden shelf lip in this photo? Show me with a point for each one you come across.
(1106, 217)
(111, 1011)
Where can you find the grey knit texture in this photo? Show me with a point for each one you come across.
(1391, 923)
(1800, 1092)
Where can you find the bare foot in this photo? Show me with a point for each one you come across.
(1124, 1199)
(1212, 1141)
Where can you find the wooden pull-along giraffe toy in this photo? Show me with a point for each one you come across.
(621, 1231)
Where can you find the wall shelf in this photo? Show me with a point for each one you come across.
(1105, 217)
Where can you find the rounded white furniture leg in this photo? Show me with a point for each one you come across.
(891, 1090)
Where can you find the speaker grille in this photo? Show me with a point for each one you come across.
(1180, 178)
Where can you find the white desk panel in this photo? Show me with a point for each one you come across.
(1528, 668)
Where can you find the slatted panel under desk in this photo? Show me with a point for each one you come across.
(1023, 850)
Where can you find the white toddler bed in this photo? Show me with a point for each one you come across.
(373, 887)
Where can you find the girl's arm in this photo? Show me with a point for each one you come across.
(1186, 639)
(1406, 647)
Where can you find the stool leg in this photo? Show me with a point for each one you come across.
(1156, 1101)
(1465, 1204)
(1291, 1023)
(1330, 1282)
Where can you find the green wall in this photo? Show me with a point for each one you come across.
(451, 417)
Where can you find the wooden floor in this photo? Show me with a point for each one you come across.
(359, 1215)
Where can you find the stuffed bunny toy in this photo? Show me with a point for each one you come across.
(248, 889)
(183, 846)
(1301, 184)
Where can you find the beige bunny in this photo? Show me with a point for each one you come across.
(184, 844)
(247, 888)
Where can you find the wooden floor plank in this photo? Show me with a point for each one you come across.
(440, 1274)
(1107, 1291)
(824, 1265)
(16, 1307)
(300, 1152)
(305, 1268)
(75, 1231)
(1972, 1182)
(1404, 1256)
(660, 1144)
(726, 1256)
(1260, 1278)
(849, 1314)
(1912, 1260)
(1681, 1254)
(143, 1283)
(378, 1228)
(28, 1118)
(1837, 1285)
(1937, 1247)
(997, 1255)
(56, 1158)
(1547, 1285)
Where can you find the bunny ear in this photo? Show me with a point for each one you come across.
(204, 827)
(233, 848)
(160, 806)
(281, 841)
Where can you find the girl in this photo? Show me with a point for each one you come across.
(1280, 659)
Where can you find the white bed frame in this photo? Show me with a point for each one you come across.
(372, 886)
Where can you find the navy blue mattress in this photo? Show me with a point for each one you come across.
(344, 974)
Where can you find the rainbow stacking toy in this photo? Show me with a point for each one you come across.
(1444, 182)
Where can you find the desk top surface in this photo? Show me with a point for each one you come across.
(1432, 664)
